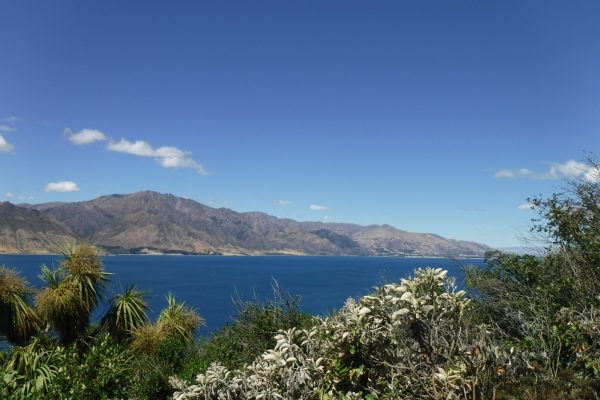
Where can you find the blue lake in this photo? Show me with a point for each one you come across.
(209, 283)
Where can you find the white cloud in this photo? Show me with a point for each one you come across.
(12, 119)
(85, 136)
(62, 187)
(137, 148)
(316, 207)
(5, 146)
(526, 206)
(166, 156)
(283, 202)
(6, 128)
(570, 169)
(9, 195)
(172, 157)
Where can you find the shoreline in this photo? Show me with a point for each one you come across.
(474, 257)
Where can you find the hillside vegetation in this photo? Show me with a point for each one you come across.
(527, 328)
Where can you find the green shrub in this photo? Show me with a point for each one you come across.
(30, 371)
(250, 334)
(549, 305)
(151, 378)
(100, 370)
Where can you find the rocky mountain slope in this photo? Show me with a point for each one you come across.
(26, 230)
(150, 221)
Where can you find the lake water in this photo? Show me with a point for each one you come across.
(209, 283)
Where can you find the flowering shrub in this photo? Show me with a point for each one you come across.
(288, 371)
(413, 340)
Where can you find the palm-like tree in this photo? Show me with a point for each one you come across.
(147, 338)
(18, 321)
(83, 267)
(126, 314)
(72, 291)
(177, 319)
(60, 306)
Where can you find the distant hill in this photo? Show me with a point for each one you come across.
(153, 222)
(28, 230)
(522, 250)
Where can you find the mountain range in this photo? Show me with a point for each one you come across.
(151, 222)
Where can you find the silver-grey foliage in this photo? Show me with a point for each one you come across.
(413, 339)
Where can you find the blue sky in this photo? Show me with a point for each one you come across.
(431, 116)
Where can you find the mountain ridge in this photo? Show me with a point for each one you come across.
(26, 230)
(154, 222)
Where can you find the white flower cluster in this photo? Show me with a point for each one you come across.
(408, 340)
(286, 372)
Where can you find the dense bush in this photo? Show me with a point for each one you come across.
(31, 370)
(408, 340)
(549, 305)
(101, 370)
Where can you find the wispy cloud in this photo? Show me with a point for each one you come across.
(5, 147)
(317, 207)
(61, 187)
(166, 156)
(13, 119)
(85, 136)
(570, 169)
(517, 173)
(7, 128)
(283, 202)
(526, 206)
(10, 195)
